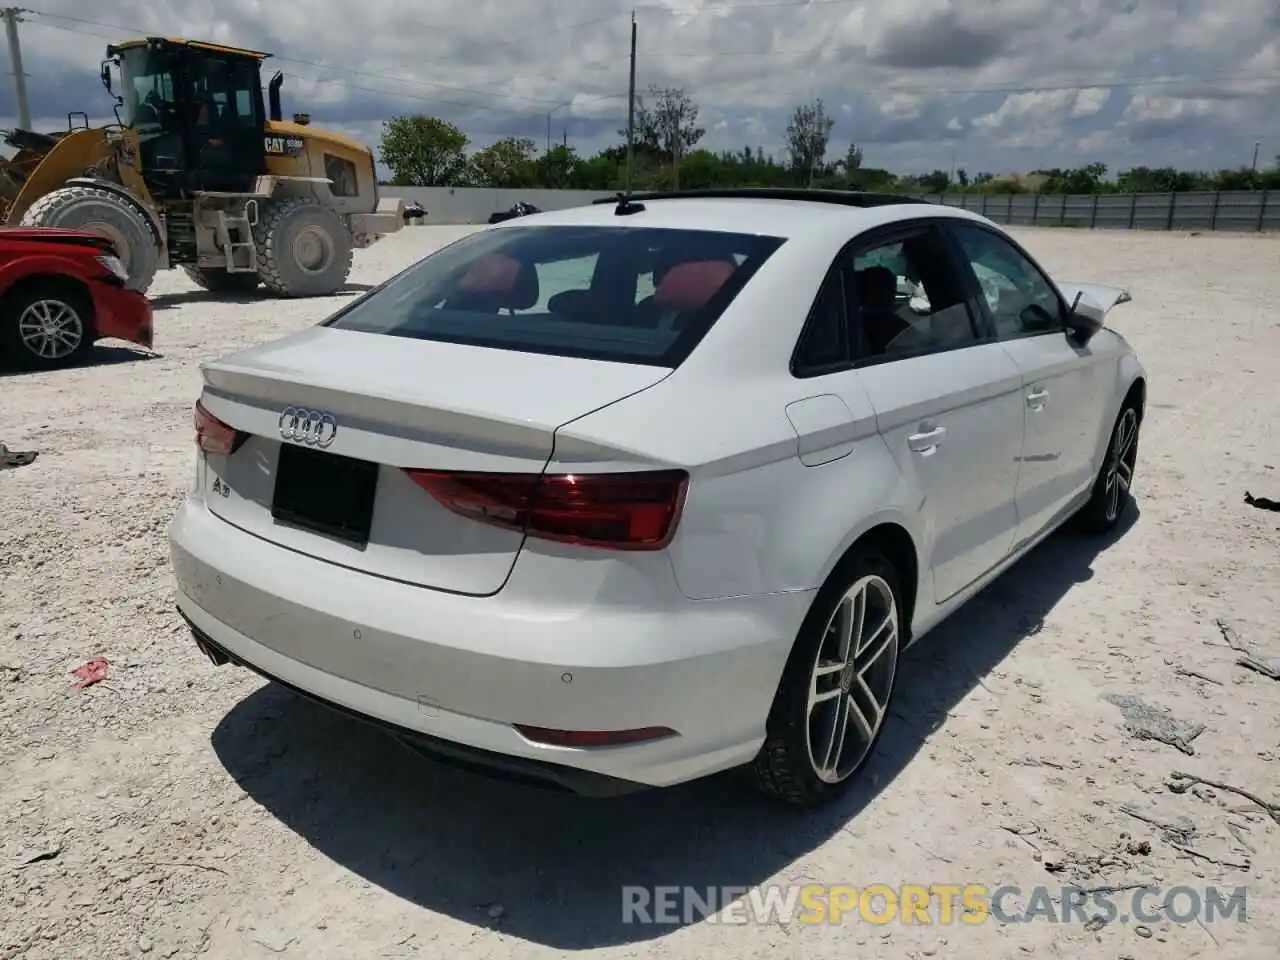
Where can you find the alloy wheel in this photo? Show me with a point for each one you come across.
(1121, 461)
(51, 329)
(852, 679)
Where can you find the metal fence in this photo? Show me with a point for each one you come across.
(1236, 211)
(1244, 211)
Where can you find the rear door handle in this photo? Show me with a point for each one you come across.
(927, 440)
(1037, 399)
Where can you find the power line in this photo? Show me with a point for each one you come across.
(434, 100)
(121, 30)
(1010, 87)
(1006, 87)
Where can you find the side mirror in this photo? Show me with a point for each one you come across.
(105, 74)
(1084, 320)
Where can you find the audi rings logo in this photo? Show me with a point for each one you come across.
(310, 427)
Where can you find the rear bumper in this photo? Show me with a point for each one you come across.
(122, 313)
(515, 770)
(452, 675)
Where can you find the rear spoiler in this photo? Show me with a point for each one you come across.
(1099, 295)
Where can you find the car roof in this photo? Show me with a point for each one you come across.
(780, 215)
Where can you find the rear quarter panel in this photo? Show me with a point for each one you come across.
(756, 520)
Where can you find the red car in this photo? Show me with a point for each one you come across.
(61, 290)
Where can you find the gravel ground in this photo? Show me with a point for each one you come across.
(178, 810)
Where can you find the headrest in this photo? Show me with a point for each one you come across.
(688, 286)
(877, 286)
(499, 281)
(571, 302)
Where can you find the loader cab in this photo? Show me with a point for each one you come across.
(198, 112)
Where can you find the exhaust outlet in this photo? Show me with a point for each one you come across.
(216, 656)
(273, 97)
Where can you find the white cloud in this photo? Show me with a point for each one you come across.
(1146, 107)
(1089, 101)
(902, 105)
(916, 80)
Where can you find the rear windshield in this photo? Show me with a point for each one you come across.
(626, 294)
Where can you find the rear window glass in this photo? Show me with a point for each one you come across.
(626, 294)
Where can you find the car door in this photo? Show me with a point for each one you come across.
(947, 396)
(1063, 384)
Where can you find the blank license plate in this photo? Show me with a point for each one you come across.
(325, 493)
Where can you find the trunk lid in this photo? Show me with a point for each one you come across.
(358, 407)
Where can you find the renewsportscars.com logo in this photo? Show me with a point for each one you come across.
(938, 904)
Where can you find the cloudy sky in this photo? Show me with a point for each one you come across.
(920, 84)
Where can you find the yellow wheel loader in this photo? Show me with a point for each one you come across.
(199, 174)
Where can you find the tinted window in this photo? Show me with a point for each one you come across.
(824, 342)
(906, 299)
(222, 92)
(1020, 298)
(629, 294)
(147, 79)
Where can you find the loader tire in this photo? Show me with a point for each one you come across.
(220, 281)
(109, 215)
(304, 249)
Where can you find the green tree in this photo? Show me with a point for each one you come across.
(423, 151)
(508, 162)
(937, 182)
(675, 120)
(645, 130)
(852, 161)
(558, 169)
(808, 134)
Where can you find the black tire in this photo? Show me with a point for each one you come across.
(277, 234)
(110, 215)
(220, 281)
(786, 767)
(61, 301)
(1107, 504)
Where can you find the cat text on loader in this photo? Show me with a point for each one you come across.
(199, 174)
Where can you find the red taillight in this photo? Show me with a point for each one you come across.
(212, 435)
(620, 511)
(594, 738)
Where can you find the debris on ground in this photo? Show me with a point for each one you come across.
(1249, 658)
(1179, 782)
(1233, 638)
(1180, 829)
(1268, 668)
(90, 672)
(1148, 721)
(42, 854)
(1262, 503)
(10, 459)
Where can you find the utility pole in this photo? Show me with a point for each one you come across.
(548, 131)
(1256, 145)
(12, 17)
(631, 106)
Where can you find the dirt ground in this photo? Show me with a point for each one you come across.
(178, 810)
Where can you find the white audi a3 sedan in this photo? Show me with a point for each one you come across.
(625, 495)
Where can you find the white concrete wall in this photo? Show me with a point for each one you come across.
(445, 205)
